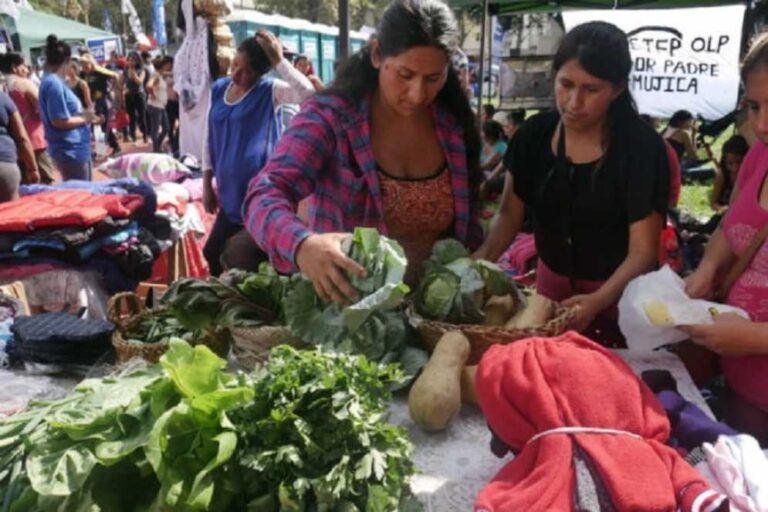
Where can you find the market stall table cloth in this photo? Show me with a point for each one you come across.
(453, 466)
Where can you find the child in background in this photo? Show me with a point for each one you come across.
(734, 150)
(494, 145)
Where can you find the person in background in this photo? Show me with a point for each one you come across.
(157, 101)
(733, 153)
(675, 171)
(594, 177)
(78, 85)
(681, 135)
(24, 94)
(14, 143)
(172, 110)
(487, 113)
(243, 128)
(134, 79)
(67, 124)
(742, 344)
(494, 146)
(303, 64)
(512, 121)
(149, 66)
(460, 63)
(101, 84)
(494, 180)
(112, 63)
(393, 144)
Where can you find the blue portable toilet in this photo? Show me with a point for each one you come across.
(328, 52)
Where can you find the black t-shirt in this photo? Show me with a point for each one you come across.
(592, 204)
(98, 83)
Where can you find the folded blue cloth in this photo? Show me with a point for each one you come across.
(691, 427)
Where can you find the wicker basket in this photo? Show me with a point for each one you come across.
(127, 319)
(481, 337)
(251, 345)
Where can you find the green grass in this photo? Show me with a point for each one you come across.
(695, 199)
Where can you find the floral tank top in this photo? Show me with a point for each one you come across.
(418, 213)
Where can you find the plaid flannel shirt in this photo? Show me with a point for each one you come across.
(326, 155)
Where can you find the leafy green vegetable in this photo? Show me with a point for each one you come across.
(315, 438)
(238, 299)
(373, 326)
(155, 439)
(455, 287)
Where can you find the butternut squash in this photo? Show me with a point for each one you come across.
(498, 309)
(538, 312)
(468, 394)
(435, 397)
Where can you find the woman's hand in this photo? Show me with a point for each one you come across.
(210, 202)
(33, 176)
(92, 118)
(700, 284)
(322, 260)
(590, 305)
(271, 46)
(725, 336)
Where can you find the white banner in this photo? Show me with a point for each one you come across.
(127, 8)
(681, 58)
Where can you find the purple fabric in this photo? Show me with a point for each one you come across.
(691, 427)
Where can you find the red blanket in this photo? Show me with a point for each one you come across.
(539, 384)
(64, 208)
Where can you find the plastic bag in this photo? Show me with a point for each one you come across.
(666, 290)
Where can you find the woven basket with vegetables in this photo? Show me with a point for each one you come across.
(475, 297)
(144, 333)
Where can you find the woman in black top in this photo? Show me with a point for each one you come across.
(681, 135)
(594, 177)
(135, 94)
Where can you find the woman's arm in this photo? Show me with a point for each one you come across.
(717, 191)
(31, 93)
(26, 152)
(717, 257)
(731, 335)
(295, 86)
(86, 94)
(642, 256)
(491, 162)
(506, 225)
(690, 145)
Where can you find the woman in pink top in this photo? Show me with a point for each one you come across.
(23, 92)
(743, 344)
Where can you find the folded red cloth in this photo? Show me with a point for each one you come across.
(536, 385)
(62, 208)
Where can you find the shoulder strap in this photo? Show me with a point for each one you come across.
(742, 263)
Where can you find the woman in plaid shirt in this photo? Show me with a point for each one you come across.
(392, 144)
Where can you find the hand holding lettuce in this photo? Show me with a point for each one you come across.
(372, 326)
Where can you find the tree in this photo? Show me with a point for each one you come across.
(97, 8)
(325, 11)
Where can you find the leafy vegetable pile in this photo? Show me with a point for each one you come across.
(374, 326)
(455, 287)
(304, 434)
(316, 437)
(156, 439)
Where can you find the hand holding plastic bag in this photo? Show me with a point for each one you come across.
(655, 304)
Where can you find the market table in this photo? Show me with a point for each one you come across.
(456, 464)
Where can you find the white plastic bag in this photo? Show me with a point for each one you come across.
(666, 287)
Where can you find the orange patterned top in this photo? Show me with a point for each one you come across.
(418, 213)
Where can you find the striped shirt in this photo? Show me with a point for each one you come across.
(326, 156)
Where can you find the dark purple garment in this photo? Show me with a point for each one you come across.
(691, 427)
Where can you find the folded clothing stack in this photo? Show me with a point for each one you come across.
(59, 338)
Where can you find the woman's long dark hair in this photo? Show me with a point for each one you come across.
(679, 118)
(736, 145)
(257, 58)
(406, 24)
(602, 50)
